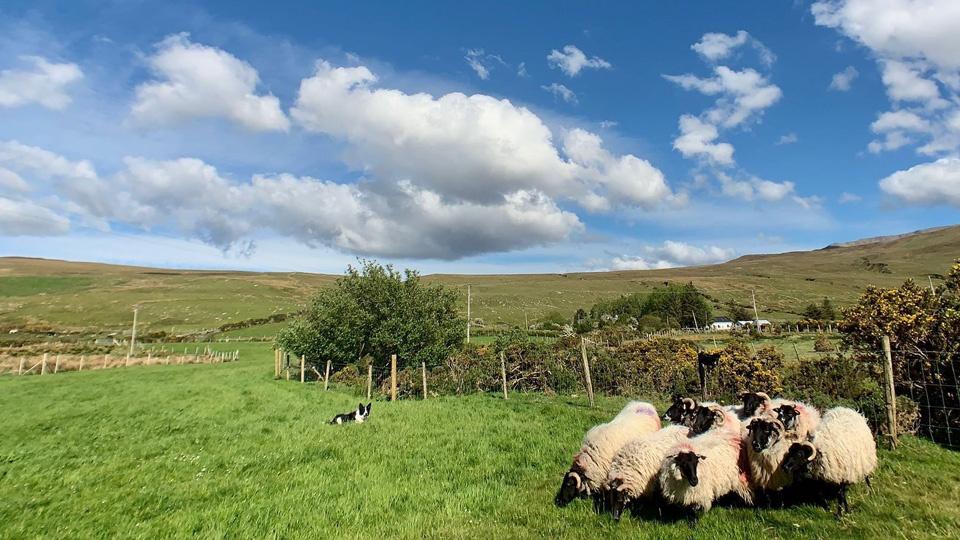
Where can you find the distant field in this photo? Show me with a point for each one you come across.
(81, 296)
(223, 450)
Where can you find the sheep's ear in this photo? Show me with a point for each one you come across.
(810, 450)
(743, 395)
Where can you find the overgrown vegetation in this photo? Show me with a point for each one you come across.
(678, 305)
(377, 311)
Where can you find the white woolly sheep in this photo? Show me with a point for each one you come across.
(710, 416)
(753, 404)
(797, 417)
(704, 469)
(840, 453)
(588, 473)
(766, 444)
(633, 473)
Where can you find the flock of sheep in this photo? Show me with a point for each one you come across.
(760, 450)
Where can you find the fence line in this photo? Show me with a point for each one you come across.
(15, 365)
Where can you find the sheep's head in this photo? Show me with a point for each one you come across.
(753, 401)
(799, 457)
(687, 463)
(764, 432)
(705, 419)
(618, 497)
(572, 487)
(788, 414)
(681, 411)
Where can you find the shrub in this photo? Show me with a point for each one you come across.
(739, 370)
(349, 376)
(822, 343)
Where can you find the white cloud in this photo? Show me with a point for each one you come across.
(45, 84)
(672, 254)
(789, 138)
(482, 63)
(697, 139)
(522, 70)
(473, 148)
(197, 81)
(926, 184)
(843, 80)
(715, 46)
(759, 189)
(24, 218)
(572, 61)
(11, 181)
(562, 92)
(915, 43)
(606, 124)
(743, 94)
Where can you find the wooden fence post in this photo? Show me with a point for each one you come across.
(56, 367)
(20, 370)
(43, 366)
(393, 377)
(276, 363)
(369, 380)
(503, 375)
(797, 351)
(586, 370)
(889, 393)
(326, 377)
(303, 365)
(423, 370)
(81, 363)
(105, 360)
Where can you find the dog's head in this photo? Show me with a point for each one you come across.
(362, 412)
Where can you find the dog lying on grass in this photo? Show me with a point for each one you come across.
(357, 416)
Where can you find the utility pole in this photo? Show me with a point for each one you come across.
(468, 314)
(932, 288)
(133, 335)
(526, 325)
(697, 326)
(756, 315)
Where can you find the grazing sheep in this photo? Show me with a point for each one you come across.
(841, 452)
(681, 411)
(767, 443)
(633, 473)
(588, 473)
(797, 417)
(704, 469)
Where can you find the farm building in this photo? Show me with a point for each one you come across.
(762, 323)
(721, 323)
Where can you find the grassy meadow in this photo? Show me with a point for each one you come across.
(223, 450)
(98, 297)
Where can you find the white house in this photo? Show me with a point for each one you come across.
(721, 323)
(763, 323)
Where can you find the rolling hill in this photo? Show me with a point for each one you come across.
(77, 296)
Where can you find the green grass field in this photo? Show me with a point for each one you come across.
(98, 297)
(224, 450)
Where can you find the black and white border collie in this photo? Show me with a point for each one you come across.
(357, 416)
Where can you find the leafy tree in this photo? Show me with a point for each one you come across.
(553, 321)
(377, 311)
(824, 311)
(679, 305)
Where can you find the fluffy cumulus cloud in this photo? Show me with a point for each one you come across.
(560, 91)
(915, 43)
(698, 139)
(572, 61)
(742, 94)
(40, 81)
(473, 148)
(926, 184)
(714, 46)
(672, 254)
(843, 80)
(199, 81)
(24, 218)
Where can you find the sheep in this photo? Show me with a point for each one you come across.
(634, 471)
(767, 443)
(710, 416)
(754, 404)
(588, 473)
(681, 411)
(841, 452)
(797, 417)
(704, 469)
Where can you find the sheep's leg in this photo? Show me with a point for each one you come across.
(869, 486)
(842, 500)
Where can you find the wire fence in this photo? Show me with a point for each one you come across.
(51, 364)
(929, 380)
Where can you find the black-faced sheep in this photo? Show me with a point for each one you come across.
(797, 417)
(633, 474)
(703, 469)
(588, 473)
(841, 452)
(711, 416)
(767, 443)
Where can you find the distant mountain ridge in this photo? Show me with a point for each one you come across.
(888, 238)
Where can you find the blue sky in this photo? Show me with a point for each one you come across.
(500, 137)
